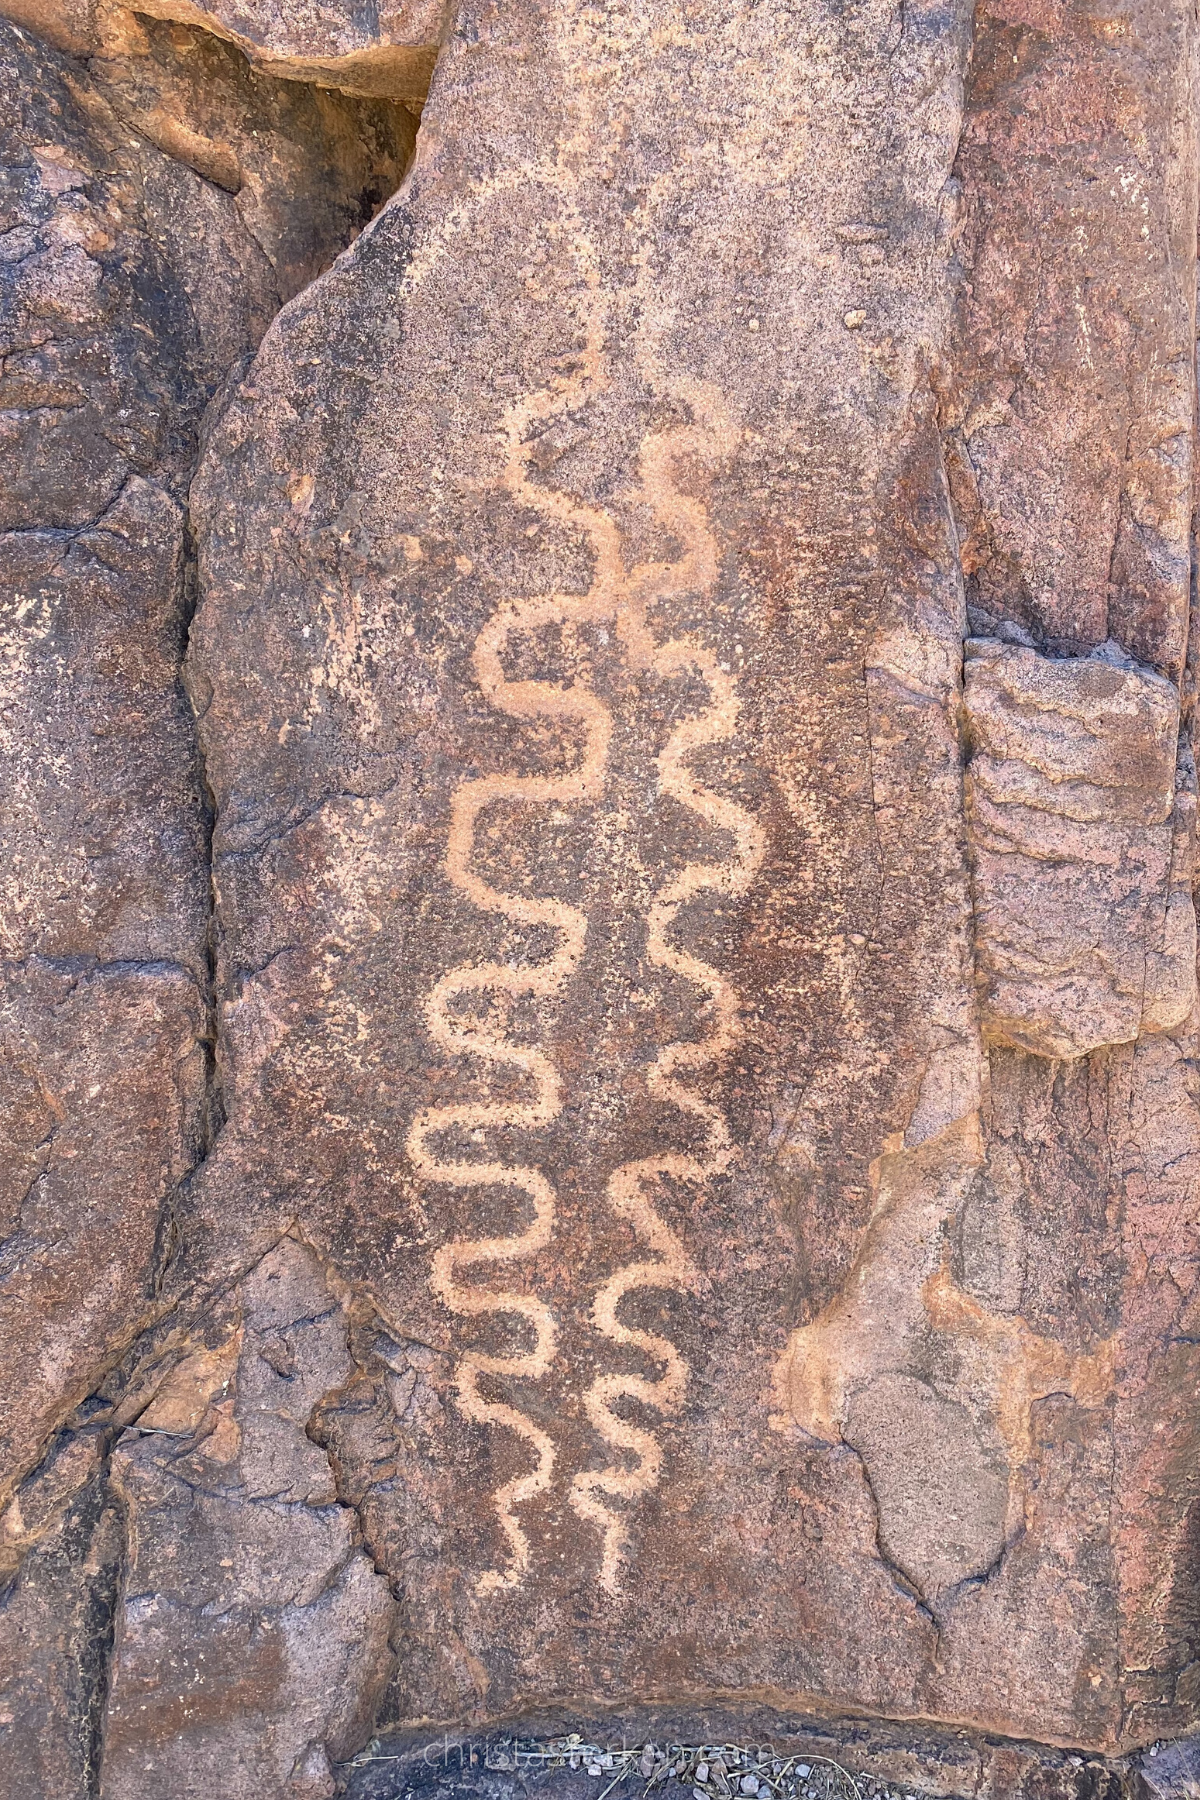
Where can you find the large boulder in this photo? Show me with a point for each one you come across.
(603, 1080)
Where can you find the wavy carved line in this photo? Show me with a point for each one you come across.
(624, 599)
(465, 1034)
(592, 1491)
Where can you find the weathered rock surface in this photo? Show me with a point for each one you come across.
(383, 50)
(540, 942)
(1082, 849)
(1069, 403)
(68, 1537)
(669, 1170)
(160, 202)
(246, 1578)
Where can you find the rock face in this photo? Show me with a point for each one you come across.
(1080, 808)
(246, 1577)
(160, 202)
(602, 1080)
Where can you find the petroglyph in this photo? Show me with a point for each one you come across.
(461, 1033)
(624, 597)
(711, 436)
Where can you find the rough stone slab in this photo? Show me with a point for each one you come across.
(1173, 1770)
(602, 495)
(55, 1639)
(102, 811)
(133, 283)
(1080, 819)
(522, 429)
(103, 1089)
(1068, 394)
(385, 50)
(253, 1634)
(379, 50)
(580, 661)
(158, 202)
(1067, 403)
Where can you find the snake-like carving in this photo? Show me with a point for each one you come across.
(666, 1264)
(623, 597)
(462, 1032)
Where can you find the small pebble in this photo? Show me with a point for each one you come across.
(595, 1769)
(749, 1784)
(702, 1772)
(855, 319)
(803, 1771)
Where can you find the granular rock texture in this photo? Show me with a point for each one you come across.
(602, 1073)
(160, 202)
(1081, 836)
(245, 1577)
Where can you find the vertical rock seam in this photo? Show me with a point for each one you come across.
(162, 201)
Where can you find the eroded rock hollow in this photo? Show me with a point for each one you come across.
(599, 961)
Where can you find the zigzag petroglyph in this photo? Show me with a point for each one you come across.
(593, 1491)
(465, 1034)
(623, 597)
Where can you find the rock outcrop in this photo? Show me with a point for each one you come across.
(599, 954)
(161, 202)
(1081, 804)
(246, 1577)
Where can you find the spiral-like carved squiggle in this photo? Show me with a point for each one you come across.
(593, 1491)
(625, 598)
(466, 1034)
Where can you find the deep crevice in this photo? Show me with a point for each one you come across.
(98, 1647)
(79, 1575)
(214, 1109)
